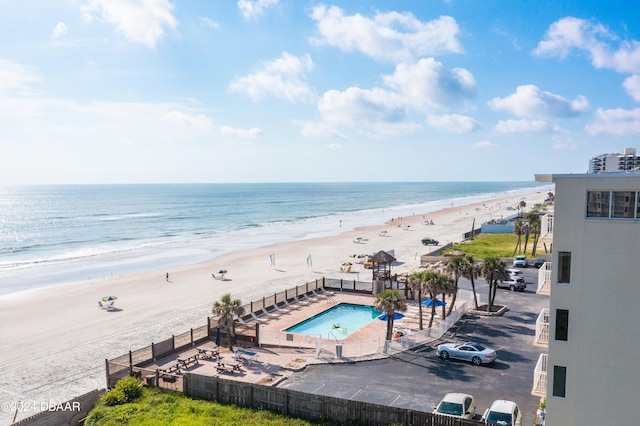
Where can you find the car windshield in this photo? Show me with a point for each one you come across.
(478, 346)
(450, 408)
(499, 418)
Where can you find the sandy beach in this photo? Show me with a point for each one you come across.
(54, 340)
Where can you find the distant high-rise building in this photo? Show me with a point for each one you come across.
(606, 163)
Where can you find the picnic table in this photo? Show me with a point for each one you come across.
(185, 361)
(209, 353)
(228, 367)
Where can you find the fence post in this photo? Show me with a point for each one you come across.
(251, 304)
(130, 364)
(106, 368)
(173, 342)
(153, 351)
(208, 326)
(257, 342)
(192, 344)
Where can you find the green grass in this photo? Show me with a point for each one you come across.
(158, 407)
(501, 245)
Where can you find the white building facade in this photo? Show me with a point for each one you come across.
(593, 370)
(611, 163)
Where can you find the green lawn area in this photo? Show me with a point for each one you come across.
(501, 245)
(159, 407)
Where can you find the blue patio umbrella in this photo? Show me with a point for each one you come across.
(396, 316)
(218, 336)
(428, 302)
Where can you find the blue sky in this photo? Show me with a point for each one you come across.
(144, 91)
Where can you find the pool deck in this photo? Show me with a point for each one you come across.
(273, 363)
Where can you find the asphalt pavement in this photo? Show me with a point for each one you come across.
(418, 378)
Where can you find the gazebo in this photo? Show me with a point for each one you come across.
(382, 266)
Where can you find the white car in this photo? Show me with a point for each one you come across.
(520, 262)
(458, 405)
(468, 351)
(503, 412)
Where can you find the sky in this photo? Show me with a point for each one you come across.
(176, 91)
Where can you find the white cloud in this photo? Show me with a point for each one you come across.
(453, 123)
(356, 106)
(563, 143)
(310, 129)
(632, 86)
(200, 121)
(428, 84)
(282, 78)
(16, 77)
(595, 39)
(252, 9)
(526, 127)
(530, 101)
(388, 36)
(335, 146)
(240, 133)
(616, 122)
(484, 145)
(138, 21)
(60, 29)
(209, 23)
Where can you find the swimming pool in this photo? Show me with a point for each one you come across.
(337, 322)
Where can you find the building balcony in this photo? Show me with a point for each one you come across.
(542, 329)
(540, 377)
(544, 279)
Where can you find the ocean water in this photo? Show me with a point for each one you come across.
(60, 233)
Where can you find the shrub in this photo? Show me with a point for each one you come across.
(126, 390)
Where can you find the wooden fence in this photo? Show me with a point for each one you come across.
(309, 406)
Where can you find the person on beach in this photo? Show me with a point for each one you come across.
(167, 276)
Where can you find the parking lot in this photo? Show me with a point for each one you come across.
(417, 379)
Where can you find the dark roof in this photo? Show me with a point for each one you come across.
(383, 257)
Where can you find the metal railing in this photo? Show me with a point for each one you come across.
(540, 377)
(542, 328)
(544, 279)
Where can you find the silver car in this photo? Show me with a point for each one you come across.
(468, 351)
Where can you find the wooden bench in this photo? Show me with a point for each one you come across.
(228, 367)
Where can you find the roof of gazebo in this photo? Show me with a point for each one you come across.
(383, 257)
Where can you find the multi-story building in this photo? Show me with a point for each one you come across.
(606, 163)
(591, 369)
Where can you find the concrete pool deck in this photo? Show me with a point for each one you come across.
(274, 363)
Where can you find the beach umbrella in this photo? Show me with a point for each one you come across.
(428, 302)
(222, 271)
(346, 263)
(108, 298)
(396, 316)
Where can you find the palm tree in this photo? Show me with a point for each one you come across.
(447, 287)
(536, 229)
(493, 270)
(434, 282)
(390, 302)
(521, 207)
(418, 284)
(471, 271)
(518, 229)
(455, 267)
(226, 310)
(529, 219)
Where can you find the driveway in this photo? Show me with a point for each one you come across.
(417, 379)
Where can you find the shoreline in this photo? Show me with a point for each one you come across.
(55, 339)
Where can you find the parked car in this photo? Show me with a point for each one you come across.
(469, 351)
(430, 241)
(520, 262)
(503, 412)
(460, 405)
(512, 285)
(516, 274)
(538, 263)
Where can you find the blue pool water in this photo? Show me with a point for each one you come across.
(346, 316)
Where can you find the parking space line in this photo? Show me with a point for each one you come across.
(354, 395)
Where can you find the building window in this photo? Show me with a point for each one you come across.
(559, 381)
(623, 204)
(598, 203)
(562, 324)
(564, 267)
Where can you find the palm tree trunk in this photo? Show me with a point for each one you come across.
(433, 308)
(475, 296)
(453, 302)
(444, 313)
(420, 309)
